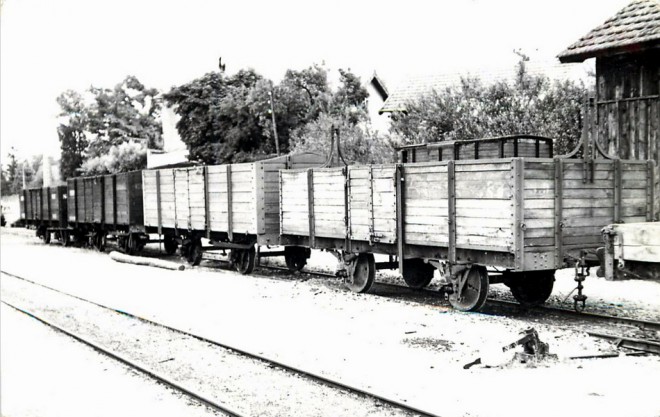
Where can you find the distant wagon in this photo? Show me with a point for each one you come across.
(45, 209)
(105, 205)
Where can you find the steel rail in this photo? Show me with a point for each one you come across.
(643, 324)
(152, 374)
(290, 368)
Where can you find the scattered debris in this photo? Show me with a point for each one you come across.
(534, 350)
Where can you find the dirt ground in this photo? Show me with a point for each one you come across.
(410, 350)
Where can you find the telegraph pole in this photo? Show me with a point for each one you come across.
(272, 114)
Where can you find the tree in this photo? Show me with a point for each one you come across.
(95, 125)
(358, 143)
(531, 104)
(127, 156)
(71, 132)
(217, 122)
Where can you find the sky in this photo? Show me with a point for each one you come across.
(49, 46)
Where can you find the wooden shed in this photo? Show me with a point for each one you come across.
(488, 148)
(625, 116)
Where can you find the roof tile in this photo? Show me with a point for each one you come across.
(637, 23)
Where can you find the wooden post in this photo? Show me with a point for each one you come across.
(310, 205)
(617, 191)
(519, 218)
(230, 225)
(649, 191)
(207, 209)
(559, 235)
(451, 213)
(400, 213)
(158, 204)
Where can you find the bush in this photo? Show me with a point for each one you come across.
(128, 156)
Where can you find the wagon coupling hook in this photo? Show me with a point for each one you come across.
(581, 273)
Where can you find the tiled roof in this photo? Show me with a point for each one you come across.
(636, 24)
(413, 88)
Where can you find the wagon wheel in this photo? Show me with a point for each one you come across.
(295, 257)
(170, 244)
(66, 238)
(532, 288)
(474, 291)
(417, 273)
(244, 260)
(99, 241)
(130, 244)
(194, 256)
(46, 236)
(361, 273)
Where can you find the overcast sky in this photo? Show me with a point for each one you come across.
(48, 46)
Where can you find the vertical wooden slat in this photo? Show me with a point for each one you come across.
(114, 202)
(649, 191)
(158, 204)
(617, 191)
(400, 213)
(207, 208)
(310, 206)
(451, 210)
(346, 172)
(518, 214)
(559, 209)
(230, 223)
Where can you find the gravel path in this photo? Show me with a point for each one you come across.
(409, 350)
(45, 373)
(248, 386)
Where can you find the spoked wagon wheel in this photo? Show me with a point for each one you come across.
(532, 288)
(361, 273)
(472, 295)
(170, 244)
(66, 237)
(99, 241)
(244, 260)
(417, 273)
(295, 257)
(194, 255)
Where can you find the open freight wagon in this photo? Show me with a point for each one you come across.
(107, 205)
(235, 206)
(529, 146)
(45, 209)
(526, 217)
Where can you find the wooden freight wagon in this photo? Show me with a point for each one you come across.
(525, 216)
(45, 209)
(501, 147)
(235, 206)
(108, 205)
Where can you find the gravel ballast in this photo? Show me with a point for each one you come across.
(408, 350)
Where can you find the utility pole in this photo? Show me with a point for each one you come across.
(272, 114)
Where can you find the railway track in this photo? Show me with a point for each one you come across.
(644, 345)
(222, 408)
(312, 376)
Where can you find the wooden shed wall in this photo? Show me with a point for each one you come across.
(627, 108)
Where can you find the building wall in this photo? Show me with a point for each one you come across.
(628, 108)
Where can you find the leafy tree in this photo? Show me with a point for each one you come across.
(358, 143)
(216, 122)
(126, 156)
(127, 113)
(71, 132)
(531, 104)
